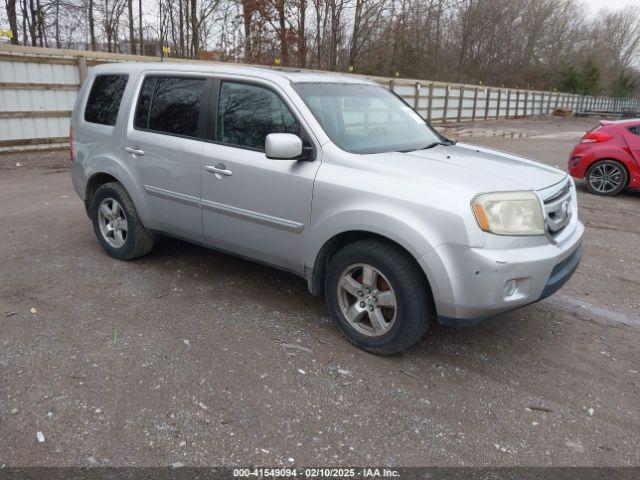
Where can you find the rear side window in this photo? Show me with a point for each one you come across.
(104, 99)
(170, 105)
(248, 113)
(635, 130)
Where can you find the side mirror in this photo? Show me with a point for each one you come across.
(283, 146)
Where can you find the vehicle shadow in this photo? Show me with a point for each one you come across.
(495, 341)
(581, 187)
(232, 275)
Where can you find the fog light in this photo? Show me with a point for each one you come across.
(510, 288)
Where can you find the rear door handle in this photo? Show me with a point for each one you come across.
(219, 169)
(134, 150)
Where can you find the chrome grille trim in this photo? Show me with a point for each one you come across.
(563, 191)
(558, 210)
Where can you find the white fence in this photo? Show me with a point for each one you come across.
(442, 102)
(38, 87)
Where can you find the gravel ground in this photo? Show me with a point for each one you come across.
(192, 356)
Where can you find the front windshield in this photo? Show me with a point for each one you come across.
(366, 118)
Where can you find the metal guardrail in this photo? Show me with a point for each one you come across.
(38, 87)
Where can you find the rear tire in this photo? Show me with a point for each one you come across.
(117, 225)
(606, 178)
(378, 296)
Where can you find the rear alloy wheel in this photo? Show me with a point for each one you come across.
(112, 222)
(116, 223)
(606, 178)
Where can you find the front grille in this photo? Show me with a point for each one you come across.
(558, 210)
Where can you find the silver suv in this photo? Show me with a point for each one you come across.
(331, 177)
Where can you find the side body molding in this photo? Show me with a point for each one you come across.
(276, 222)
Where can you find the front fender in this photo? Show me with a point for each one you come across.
(373, 222)
(416, 235)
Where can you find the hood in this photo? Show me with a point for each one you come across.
(479, 168)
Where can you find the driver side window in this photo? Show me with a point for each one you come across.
(248, 113)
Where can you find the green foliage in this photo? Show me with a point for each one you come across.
(570, 81)
(590, 77)
(585, 81)
(624, 86)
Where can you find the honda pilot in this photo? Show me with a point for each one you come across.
(331, 177)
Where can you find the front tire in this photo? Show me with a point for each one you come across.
(117, 225)
(378, 296)
(606, 178)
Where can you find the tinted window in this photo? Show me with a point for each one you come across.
(247, 114)
(141, 119)
(170, 105)
(635, 130)
(104, 99)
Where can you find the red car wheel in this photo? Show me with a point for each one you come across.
(606, 178)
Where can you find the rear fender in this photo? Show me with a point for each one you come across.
(116, 168)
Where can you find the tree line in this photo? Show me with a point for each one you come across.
(540, 44)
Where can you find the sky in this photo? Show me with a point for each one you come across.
(596, 5)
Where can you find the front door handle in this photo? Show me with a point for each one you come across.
(219, 170)
(135, 150)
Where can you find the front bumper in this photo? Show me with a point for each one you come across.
(468, 284)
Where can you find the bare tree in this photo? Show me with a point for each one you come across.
(140, 27)
(619, 36)
(92, 28)
(367, 16)
(301, 32)
(132, 39)
(181, 38)
(538, 43)
(13, 21)
(336, 14)
(194, 28)
(112, 10)
(282, 31)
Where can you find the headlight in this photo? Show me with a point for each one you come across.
(509, 213)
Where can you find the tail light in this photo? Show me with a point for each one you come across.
(71, 143)
(596, 137)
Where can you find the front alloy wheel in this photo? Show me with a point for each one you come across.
(367, 299)
(378, 296)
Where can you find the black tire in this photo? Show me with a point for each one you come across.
(138, 240)
(614, 168)
(414, 311)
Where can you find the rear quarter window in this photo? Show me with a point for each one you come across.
(104, 99)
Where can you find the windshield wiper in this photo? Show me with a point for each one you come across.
(445, 143)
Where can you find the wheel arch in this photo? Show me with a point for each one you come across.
(93, 183)
(107, 170)
(316, 273)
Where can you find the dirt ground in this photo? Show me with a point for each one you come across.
(197, 357)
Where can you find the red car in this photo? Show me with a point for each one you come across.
(608, 157)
